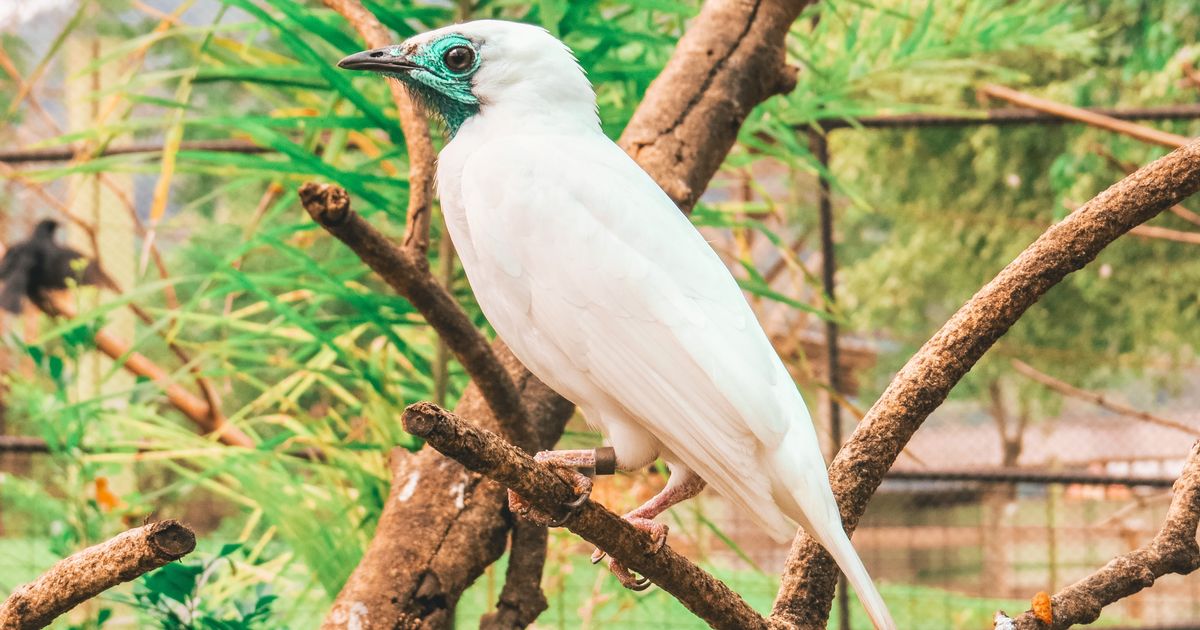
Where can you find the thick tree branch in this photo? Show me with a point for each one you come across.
(730, 59)
(1129, 167)
(1173, 550)
(521, 599)
(94, 570)
(1067, 389)
(488, 454)
(441, 526)
(416, 130)
(925, 381)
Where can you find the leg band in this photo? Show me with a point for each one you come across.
(606, 460)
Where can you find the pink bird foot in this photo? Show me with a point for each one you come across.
(682, 486)
(568, 465)
(658, 533)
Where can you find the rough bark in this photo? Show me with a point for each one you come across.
(730, 59)
(1173, 550)
(925, 381)
(487, 453)
(94, 570)
(442, 525)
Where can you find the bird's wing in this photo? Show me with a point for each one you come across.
(625, 287)
(15, 269)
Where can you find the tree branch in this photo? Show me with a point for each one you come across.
(442, 524)
(1133, 130)
(731, 58)
(406, 272)
(1166, 234)
(416, 130)
(94, 570)
(1129, 167)
(196, 409)
(1066, 389)
(1173, 550)
(521, 599)
(925, 381)
(488, 454)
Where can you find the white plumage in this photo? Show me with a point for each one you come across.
(597, 282)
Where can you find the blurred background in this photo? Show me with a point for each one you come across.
(168, 138)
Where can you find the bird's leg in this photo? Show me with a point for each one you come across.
(577, 468)
(683, 485)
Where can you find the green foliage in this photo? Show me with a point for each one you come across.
(188, 596)
(953, 206)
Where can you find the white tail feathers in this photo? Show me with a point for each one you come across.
(838, 545)
(801, 490)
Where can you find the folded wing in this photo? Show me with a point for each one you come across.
(606, 269)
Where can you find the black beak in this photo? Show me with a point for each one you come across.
(387, 59)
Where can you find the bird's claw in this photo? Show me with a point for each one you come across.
(626, 577)
(580, 483)
(582, 498)
(573, 506)
(658, 531)
(658, 536)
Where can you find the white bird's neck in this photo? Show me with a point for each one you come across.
(513, 118)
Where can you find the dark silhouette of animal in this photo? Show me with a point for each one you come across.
(39, 263)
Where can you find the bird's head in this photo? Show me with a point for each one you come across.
(487, 66)
(46, 228)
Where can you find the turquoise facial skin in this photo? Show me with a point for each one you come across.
(441, 90)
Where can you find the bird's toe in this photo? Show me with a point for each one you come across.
(658, 531)
(580, 484)
(627, 577)
(517, 504)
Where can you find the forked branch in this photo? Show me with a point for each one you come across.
(1173, 550)
(404, 270)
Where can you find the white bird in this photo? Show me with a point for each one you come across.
(605, 291)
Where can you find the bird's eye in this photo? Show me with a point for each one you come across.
(459, 58)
